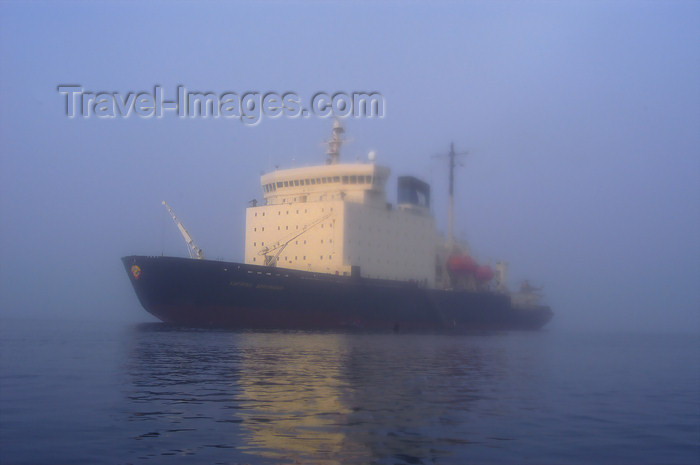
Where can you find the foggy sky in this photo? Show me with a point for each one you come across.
(581, 120)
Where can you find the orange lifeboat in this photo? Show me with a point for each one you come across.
(484, 273)
(461, 265)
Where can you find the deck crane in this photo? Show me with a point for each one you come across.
(279, 246)
(192, 248)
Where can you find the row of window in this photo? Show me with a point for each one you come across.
(350, 179)
(255, 243)
(286, 228)
(279, 212)
(303, 258)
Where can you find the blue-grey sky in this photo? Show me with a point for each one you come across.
(581, 120)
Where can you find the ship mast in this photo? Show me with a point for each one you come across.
(335, 143)
(450, 201)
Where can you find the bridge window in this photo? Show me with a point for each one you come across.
(279, 183)
(345, 179)
(336, 178)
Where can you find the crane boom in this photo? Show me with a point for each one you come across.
(192, 248)
(279, 246)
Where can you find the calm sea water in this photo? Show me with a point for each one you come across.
(98, 393)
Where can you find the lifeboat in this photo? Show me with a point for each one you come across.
(483, 273)
(461, 265)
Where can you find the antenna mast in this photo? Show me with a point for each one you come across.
(335, 143)
(450, 202)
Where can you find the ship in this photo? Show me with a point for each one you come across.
(325, 250)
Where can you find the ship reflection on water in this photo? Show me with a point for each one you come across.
(281, 397)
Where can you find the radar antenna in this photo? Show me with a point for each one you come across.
(334, 144)
(192, 248)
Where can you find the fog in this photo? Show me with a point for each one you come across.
(580, 120)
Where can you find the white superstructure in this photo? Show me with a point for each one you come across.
(333, 217)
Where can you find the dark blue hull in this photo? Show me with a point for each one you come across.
(234, 295)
